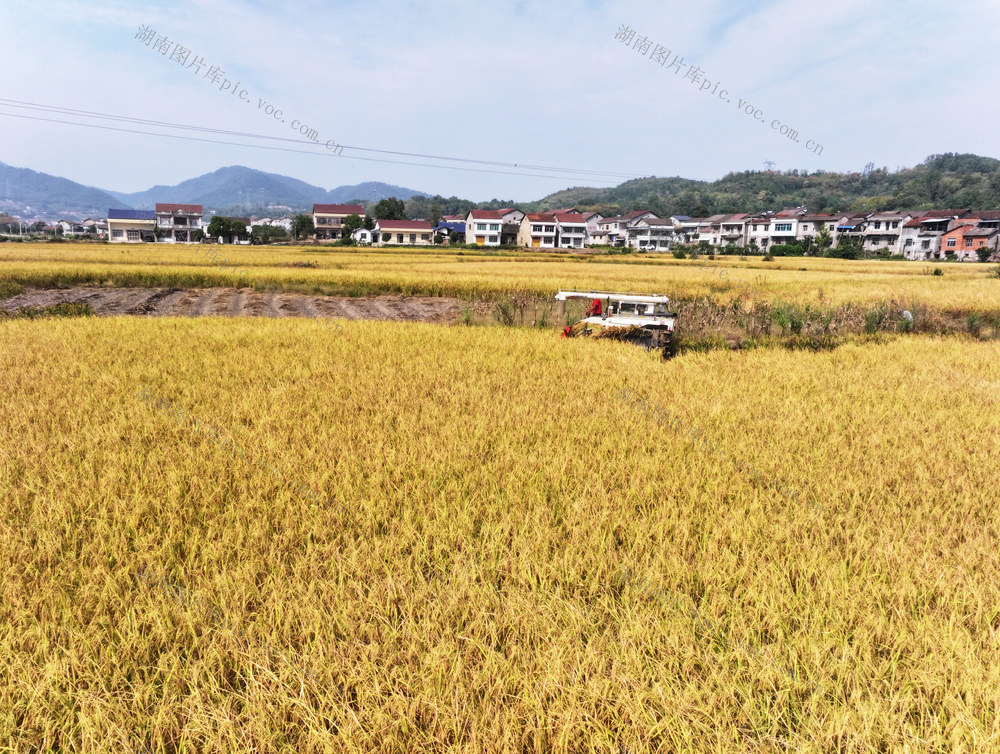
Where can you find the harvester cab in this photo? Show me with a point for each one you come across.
(642, 319)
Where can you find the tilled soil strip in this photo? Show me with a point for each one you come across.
(232, 302)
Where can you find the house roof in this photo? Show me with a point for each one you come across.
(818, 218)
(131, 214)
(192, 209)
(541, 217)
(453, 218)
(486, 214)
(988, 215)
(657, 221)
(985, 232)
(339, 209)
(589, 215)
(403, 225)
(637, 213)
(682, 217)
(570, 217)
(455, 225)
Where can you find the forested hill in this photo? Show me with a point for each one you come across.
(940, 182)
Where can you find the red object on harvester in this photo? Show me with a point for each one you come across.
(567, 331)
(595, 308)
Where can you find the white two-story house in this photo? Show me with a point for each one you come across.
(538, 231)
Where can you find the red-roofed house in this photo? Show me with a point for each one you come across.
(176, 223)
(538, 230)
(492, 227)
(397, 232)
(329, 218)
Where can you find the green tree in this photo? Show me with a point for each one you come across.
(267, 233)
(369, 223)
(219, 227)
(434, 215)
(351, 224)
(823, 237)
(983, 252)
(302, 227)
(390, 209)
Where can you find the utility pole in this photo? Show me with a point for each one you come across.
(769, 164)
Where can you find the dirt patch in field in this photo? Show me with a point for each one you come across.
(239, 302)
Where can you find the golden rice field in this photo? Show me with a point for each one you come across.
(474, 275)
(457, 582)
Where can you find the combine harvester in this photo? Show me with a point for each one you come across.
(636, 318)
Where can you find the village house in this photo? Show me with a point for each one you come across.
(883, 230)
(132, 225)
(809, 227)
(965, 237)
(724, 230)
(653, 233)
(920, 238)
(451, 230)
(592, 219)
(397, 232)
(362, 235)
(177, 223)
(538, 231)
(493, 227)
(71, 227)
(328, 219)
(851, 227)
(571, 230)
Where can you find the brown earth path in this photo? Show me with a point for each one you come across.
(242, 302)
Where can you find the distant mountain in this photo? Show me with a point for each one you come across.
(32, 194)
(238, 187)
(370, 191)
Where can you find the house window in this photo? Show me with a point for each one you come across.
(133, 235)
(925, 244)
(399, 238)
(951, 242)
(117, 233)
(494, 226)
(547, 239)
(536, 228)
(480, 226)
(878, 225)
(550, 228)
(805, 226)
(782, 227)
(413, 238)
(423, 236)
(909, 242)
(968, 243)
(494, 239)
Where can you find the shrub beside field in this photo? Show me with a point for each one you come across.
(465, 594)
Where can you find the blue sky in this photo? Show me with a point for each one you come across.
(530, 83)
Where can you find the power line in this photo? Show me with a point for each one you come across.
(285, 149)
(73, 112)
